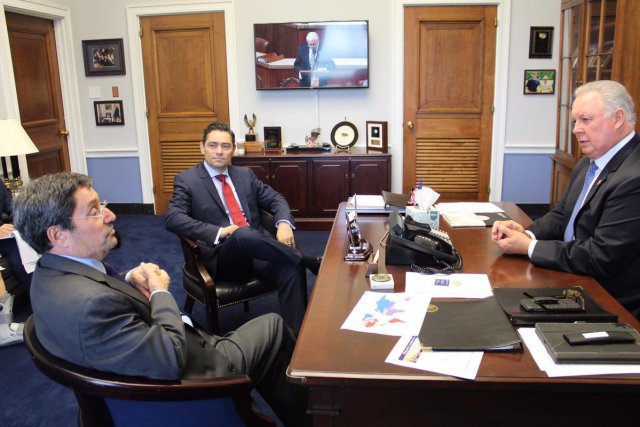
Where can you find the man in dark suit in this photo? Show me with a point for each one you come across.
(87, 315)
(219, 206)
(310, 58)
(8, 245)
(595, 229)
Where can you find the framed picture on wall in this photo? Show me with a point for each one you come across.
(103, 57)
(377, 136)
(108, 113)
(539, 82)
(540, 42)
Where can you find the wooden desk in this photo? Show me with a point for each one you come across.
(350, 384)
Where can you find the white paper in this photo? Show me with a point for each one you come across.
(464, 219)
(476, 207)
(462, 364)
(366, 201)
(27, 254)
(546, 363)
(449, 285)
(388, 313)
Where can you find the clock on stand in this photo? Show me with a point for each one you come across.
(344, 135)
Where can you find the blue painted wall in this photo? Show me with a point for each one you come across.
(116, 179)
(527, 178)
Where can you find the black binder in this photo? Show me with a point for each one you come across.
(556, 337)
(509, 300)
(468, 325)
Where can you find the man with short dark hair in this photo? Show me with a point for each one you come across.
(219, 206)
(88, 315)
(595, 228)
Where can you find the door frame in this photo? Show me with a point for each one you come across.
(500, 87)
(134, 13)
(9, 107)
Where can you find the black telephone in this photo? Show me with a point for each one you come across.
(422, 247)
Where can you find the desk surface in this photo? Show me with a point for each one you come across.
(332, 361)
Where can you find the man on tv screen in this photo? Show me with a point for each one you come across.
(309, 60)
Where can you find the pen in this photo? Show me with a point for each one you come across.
(527, 295)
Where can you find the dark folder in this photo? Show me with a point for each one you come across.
(509, 300)
(469, 325)
(594, 345)
(395, 199)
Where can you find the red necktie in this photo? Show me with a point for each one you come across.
(232, 203)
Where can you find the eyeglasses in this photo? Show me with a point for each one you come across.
(224, 145)
(100, 215)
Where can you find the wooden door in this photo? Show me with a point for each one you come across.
(35, 66)
(328, 187)
(369, 176)
(185, 75)
(289, 178)
(449, 55)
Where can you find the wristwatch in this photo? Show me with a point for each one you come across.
(344, 135)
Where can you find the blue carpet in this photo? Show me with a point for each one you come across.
(30, 399)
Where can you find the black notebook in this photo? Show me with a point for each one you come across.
(509, 300)
(592, 342)
(469, 325)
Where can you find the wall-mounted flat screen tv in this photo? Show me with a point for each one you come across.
(312, 55)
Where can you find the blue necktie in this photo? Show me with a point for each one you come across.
(588, 179)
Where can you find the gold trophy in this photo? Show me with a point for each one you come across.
(251, 135)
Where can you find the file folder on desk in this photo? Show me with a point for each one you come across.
(469, 325)
(509, 300)
(554, 337)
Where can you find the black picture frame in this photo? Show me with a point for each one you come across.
(539, 82)
(103, 57)
(108, 113)
(377, 136)
(540, 42)
(272, 138)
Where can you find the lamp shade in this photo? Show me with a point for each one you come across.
(14, 139)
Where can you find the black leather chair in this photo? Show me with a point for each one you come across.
(107, 399)
(215, 294)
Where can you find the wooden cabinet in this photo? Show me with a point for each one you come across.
(315, 184)
(599, 41)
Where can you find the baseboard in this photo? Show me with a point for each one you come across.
(132, 208)
(534, 211)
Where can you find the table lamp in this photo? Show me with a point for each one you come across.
(14, 141)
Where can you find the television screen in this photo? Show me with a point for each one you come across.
(312, 55)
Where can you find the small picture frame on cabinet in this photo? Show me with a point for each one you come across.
(377, 136)
(540, 42)
(273, 138)
(539, 82)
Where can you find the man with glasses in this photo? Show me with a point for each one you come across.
(88, 315)
(218, 205)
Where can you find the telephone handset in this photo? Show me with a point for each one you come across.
(417, 244)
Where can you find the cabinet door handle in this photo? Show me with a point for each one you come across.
(410, 124)
(64, 132)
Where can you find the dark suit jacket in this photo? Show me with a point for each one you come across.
(197, 212)
(6, 203)
(94, 320)
(607, 228)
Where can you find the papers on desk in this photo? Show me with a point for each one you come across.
(388, 314)
(473, 207)
(545, 363)
(449, 286)
(407, 352)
